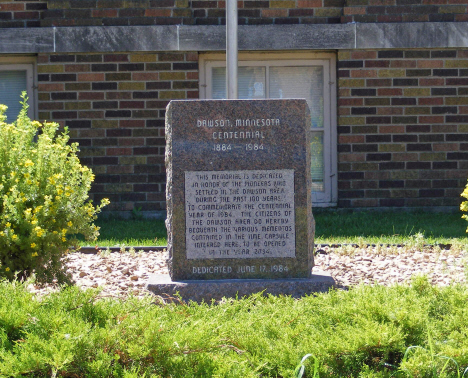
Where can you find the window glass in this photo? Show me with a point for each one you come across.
(12, 83)
(316, 165)
(251, 82)
(291, 79)
(300, 82)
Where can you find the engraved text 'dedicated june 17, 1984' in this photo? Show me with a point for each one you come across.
(239, 214)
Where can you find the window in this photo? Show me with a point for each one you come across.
(14, 79)
(288, 75)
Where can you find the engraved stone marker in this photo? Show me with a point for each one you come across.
(245, 214)
(239, 189)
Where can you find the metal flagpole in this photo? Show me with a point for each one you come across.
(231, 49)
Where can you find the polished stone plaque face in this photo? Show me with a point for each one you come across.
(239, 189)
(239, 214)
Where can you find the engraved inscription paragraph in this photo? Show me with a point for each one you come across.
(239, 214)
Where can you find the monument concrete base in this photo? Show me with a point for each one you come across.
(206, 290)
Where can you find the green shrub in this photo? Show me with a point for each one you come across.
(43, 198)
(464, 205)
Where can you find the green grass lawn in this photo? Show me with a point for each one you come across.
(367, 332)
(373, 227)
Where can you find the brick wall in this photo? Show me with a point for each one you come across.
(117, 12)
(164, 12)
(404, 11)
(21, 14)
(212, 12)
(114, 106)
(403, 127)
(270, 11)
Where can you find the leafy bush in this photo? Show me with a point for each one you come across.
(43, 198)
(464, 205)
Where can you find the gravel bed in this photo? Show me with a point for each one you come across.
(122, 274)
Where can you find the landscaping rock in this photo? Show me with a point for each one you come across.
(122, 274)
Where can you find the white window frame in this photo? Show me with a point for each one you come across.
(28, 64)
(328, 61)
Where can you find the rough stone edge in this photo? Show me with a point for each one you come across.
(208, 290)
(169, 184)
(212, 38)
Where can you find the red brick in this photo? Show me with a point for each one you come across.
(461, 17)
(42, 58)
(431, 119)
(346, 138)
(46, 87)
(389, 92)
(342, 157)
(110, 13)
(118, 151)
(91, 95)
(391, 129)
(118, 95)
(192, 75)
(11, 7)
(191, 57)
(50, 105)
(157, 12)
(377, 63)
(445, 146)
(434, 2)
(431, 101)
(364, 54)
(430, 63)
(363, 73)
(403, 64)
(344, 92)
(132, 123)
(116, 58)
(436, 82)
(26, 15)
(463, 110)
(193, 95)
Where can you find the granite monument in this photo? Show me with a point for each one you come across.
(239, 194)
